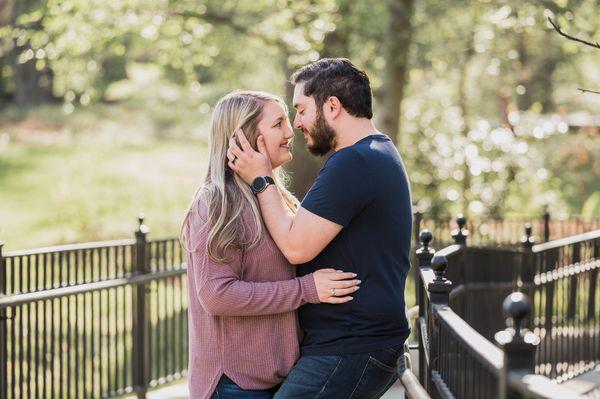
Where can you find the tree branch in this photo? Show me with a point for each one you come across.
(229, 20)
(560, 32)
(588, 91)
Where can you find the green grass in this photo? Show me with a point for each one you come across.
(93, 187)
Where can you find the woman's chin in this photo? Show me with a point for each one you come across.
(282, 160)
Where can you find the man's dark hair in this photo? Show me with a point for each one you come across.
(340, 78)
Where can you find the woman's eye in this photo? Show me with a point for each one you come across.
(278, 124)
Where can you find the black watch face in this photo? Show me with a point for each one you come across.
(258, 184)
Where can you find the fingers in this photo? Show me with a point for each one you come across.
(243, 141)
(262, 148)
(339, 292)
(230, 155)
(337, 300)
(344, 284)
(341, 275)
(328, 270)
(234, 150)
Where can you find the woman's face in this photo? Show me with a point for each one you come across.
(277, 131)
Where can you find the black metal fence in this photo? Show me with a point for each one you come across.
(458, 321)
(566, 303)
(502, 231)
(110, 318)
(93, 320)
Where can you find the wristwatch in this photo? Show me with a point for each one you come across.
(260, 183)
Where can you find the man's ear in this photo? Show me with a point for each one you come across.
(333, 107)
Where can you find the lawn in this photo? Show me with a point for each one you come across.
(93, 186)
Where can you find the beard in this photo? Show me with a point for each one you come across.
(322, 135)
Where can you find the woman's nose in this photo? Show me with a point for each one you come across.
(289, 132)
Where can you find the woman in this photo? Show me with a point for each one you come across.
(244, 335)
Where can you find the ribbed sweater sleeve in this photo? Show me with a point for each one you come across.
(222, 292)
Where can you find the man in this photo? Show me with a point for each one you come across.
(356, 217)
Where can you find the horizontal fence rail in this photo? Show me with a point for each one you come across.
(94, 320)
(457, 360)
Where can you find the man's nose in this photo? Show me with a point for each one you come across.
(297, 123)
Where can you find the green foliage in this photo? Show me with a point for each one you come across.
(491, 89)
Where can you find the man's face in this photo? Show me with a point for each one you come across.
(320, 136)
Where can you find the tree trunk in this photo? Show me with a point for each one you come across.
(336, 43)
(396, 67)
(33, 86)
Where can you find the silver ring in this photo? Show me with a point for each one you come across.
(333, 292)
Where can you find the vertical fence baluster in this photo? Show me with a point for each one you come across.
(141, 355)
(3, 331)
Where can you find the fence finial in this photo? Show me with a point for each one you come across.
(516, 307)
(440, 287)
(439, 265)
(518, 343)
(142, 228)
(527, 241)
(425, 252)
(460, 234)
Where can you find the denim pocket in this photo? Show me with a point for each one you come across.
(378, 375)
(381, 365)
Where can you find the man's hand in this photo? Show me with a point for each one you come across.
(246, 162)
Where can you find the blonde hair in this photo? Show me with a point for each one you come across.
(223, 192)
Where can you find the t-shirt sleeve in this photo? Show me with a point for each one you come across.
(343, 188)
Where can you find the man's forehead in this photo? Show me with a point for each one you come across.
(299, 97)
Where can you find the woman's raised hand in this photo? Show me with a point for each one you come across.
(335, 286)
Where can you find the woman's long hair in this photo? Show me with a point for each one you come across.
(223, 192)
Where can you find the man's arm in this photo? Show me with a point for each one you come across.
(300, 237)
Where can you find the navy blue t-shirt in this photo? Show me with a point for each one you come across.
(365, 189)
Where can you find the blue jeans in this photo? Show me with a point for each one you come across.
(352, 376)
(227, 389)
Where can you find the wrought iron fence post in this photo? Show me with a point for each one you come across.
(527, 241)
(546, 217)
(526, 271)
(439, 294)
(3, 335)
(423, 255)
(519, 344)
(461, 233)
(141, 325)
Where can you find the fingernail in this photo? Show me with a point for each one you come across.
(339, 271)
(358, 281)
(354, 274)
(351, 298)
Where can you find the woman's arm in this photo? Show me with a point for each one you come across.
(221, 291)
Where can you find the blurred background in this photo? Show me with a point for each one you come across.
(105, 105)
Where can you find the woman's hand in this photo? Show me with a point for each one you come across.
(334, 286)
(246, 162)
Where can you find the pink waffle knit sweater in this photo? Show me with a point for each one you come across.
(242, 319)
